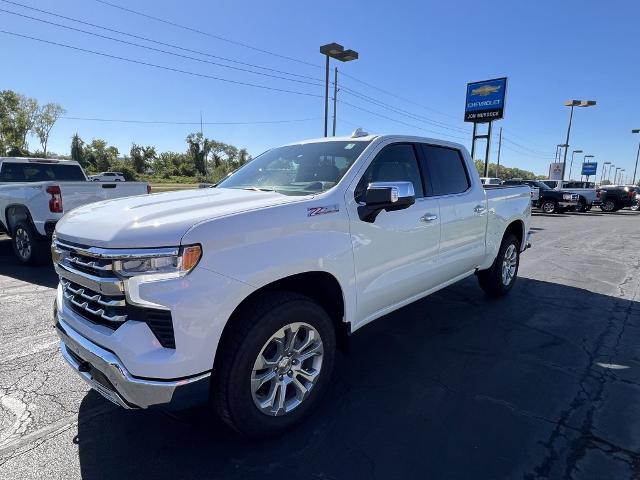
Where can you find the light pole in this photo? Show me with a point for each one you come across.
(621, 175)
(337, 51)
(573, 103)
(571, 165)
(635, 170)
(604, 167)
(615, 175)
(609, 173)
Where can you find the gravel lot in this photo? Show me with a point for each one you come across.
(541, 384)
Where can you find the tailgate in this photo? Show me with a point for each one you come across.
(76, 194)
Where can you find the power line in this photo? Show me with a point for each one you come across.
(162, 67)
(396, 120)
(166, 122)
(391, 94)
(414, 116)
(157, 42)
(158, 49)
(201, 32)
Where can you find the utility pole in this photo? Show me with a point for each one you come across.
(499, 148)
(335, 98)
(201, 124)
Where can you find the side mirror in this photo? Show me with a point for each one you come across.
(388, 196)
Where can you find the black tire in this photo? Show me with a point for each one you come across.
(491, 280)
(253, 326)
(609, 206)
(582, 206)
(549, 206)
(29, 247)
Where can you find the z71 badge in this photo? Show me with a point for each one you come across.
(313, 211)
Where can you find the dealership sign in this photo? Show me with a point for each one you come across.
(589, 168)
(485, 100)
(555, 171)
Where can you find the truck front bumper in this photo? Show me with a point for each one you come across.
(106, 374)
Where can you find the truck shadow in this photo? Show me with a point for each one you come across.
(452, 384)
(43, 275)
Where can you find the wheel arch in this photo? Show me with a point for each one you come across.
(516, 228)
(15, 213)
(320, 286)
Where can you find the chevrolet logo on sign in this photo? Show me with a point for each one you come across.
(485, 100)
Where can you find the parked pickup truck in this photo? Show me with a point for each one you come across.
(34, 194)
(611, 198)
(239, 295)
(549, 200)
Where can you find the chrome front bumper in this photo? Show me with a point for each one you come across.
(104, 372)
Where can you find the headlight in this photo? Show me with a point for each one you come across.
(180, 264)
(566, 196)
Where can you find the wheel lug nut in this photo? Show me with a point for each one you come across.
(290, 373)
(280, 377)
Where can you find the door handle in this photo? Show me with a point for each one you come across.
(480, 209)
(428, 217)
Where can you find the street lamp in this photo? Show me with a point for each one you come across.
(635, 170)
(615, 175)
(609, 173)
(604, 167)
(337, 51)
(621, 176)
(572, 104)
(571, 166)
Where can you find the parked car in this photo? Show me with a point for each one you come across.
(636, 205)
(549, 200)
(35, 193)
(586, 190)
(535, 191)
(238, 295)
(611, 198)
(108, 177)
(490, 181)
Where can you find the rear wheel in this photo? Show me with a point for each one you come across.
(29, 247)
(549, 206)
(500, 278)
(274, 364)
(582, 206)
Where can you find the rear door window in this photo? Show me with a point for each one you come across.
(445, 169)
(39, 172)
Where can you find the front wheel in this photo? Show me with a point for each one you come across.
(608, 206)
(549, 206)
(500, 278)
(274, 364)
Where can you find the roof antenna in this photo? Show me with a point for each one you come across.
(359, 132)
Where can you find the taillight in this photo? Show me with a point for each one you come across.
(55, 202)
(148, 188)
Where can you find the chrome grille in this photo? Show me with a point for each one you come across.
(94, 306)
(92, 289)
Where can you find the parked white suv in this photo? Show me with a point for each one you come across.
(108, 177)
(239, 294)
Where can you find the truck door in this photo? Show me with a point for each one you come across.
(463, 210)
(394, 256)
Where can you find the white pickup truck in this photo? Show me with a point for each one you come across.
(36, 192)
(239, 295)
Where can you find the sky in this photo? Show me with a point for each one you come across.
(415, 58)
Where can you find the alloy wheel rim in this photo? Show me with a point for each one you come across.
(509, 265)
(608, 206)
(286, 369)
(23, 245)
(548, 207)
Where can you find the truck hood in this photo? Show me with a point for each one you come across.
(158, 220)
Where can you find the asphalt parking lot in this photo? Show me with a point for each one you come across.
(542, 384)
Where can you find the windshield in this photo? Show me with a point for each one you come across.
(301, 169)
(40, 172)
(540, 185)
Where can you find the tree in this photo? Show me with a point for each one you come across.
(47, 117)
(77, 150)
(199, 148)
(99, 156)
(17, 117)
(142, 157)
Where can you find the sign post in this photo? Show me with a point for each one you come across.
(484, 104)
